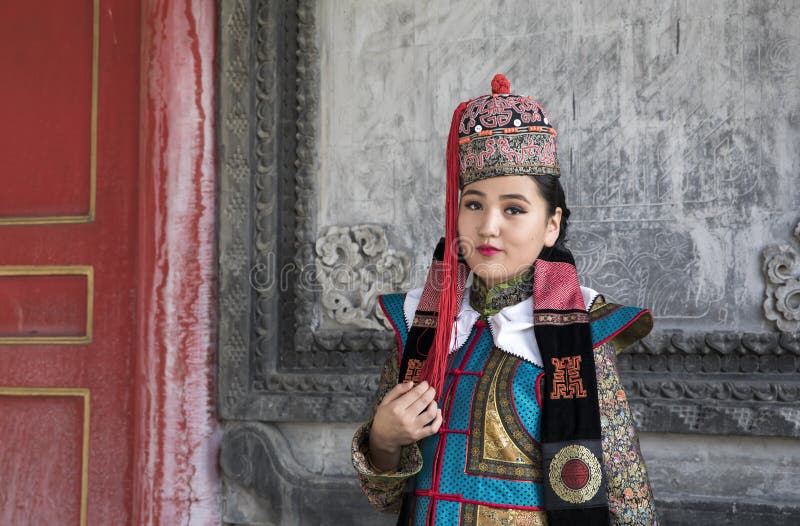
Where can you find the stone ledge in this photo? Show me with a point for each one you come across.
(676, 511)
(266, 484)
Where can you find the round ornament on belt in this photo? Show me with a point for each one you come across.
(575, 474)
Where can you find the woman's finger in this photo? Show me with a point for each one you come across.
(396, 392)
(421, 401)
(411, 396)
(429, 414)
(434, 426)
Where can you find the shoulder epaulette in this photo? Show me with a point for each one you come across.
(392, 307)
(622, 326)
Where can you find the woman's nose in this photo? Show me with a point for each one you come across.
(489, 225)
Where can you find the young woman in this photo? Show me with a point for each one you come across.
(501, 404)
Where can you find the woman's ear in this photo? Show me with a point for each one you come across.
(552, 228)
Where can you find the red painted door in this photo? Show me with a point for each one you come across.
(68, 158)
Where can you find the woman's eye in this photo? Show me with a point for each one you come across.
(513, 210)
(472, 205)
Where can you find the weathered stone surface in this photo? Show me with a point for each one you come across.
(728, 473)
(276, 477)
(673, 128)
(678, 129)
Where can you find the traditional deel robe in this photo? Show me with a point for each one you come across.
(486, 465)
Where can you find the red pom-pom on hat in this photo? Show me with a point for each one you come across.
(500, 85)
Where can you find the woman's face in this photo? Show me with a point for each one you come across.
(503, 224)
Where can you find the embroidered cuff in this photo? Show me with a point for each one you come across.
(410, 459)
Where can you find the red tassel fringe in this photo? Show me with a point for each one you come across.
(436, 364)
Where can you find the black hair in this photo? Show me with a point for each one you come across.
(551, 190)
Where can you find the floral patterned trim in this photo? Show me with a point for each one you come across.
(630, 498)
(410, 459)
(489, 302)
(384, 490)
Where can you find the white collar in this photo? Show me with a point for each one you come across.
(512, 327)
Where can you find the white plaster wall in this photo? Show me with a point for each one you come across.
(679, 141)
(679, 124)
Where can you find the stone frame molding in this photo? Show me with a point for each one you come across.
(277, 364)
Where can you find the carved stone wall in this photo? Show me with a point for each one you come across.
(676, 131)
(782, 273)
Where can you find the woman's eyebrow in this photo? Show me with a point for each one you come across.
(515, 196)
(504, 196)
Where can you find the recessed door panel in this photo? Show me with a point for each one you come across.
(47, 131)
(42, 431)
(68, 238)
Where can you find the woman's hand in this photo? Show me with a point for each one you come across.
(406, 414)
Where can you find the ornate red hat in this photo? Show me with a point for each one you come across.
(490, 136)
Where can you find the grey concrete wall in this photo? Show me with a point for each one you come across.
(679, 137)
(679, 128)
(678, 125)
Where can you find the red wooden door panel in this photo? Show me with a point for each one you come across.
(68, 159)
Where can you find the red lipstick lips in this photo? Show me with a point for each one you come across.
(488, 250)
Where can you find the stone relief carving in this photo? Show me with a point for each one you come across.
(274, 366)
(781, 267)
(268, 485)
(355, 265)
(647, 267)
(235, 247)
(719, 382)
(278, 362)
